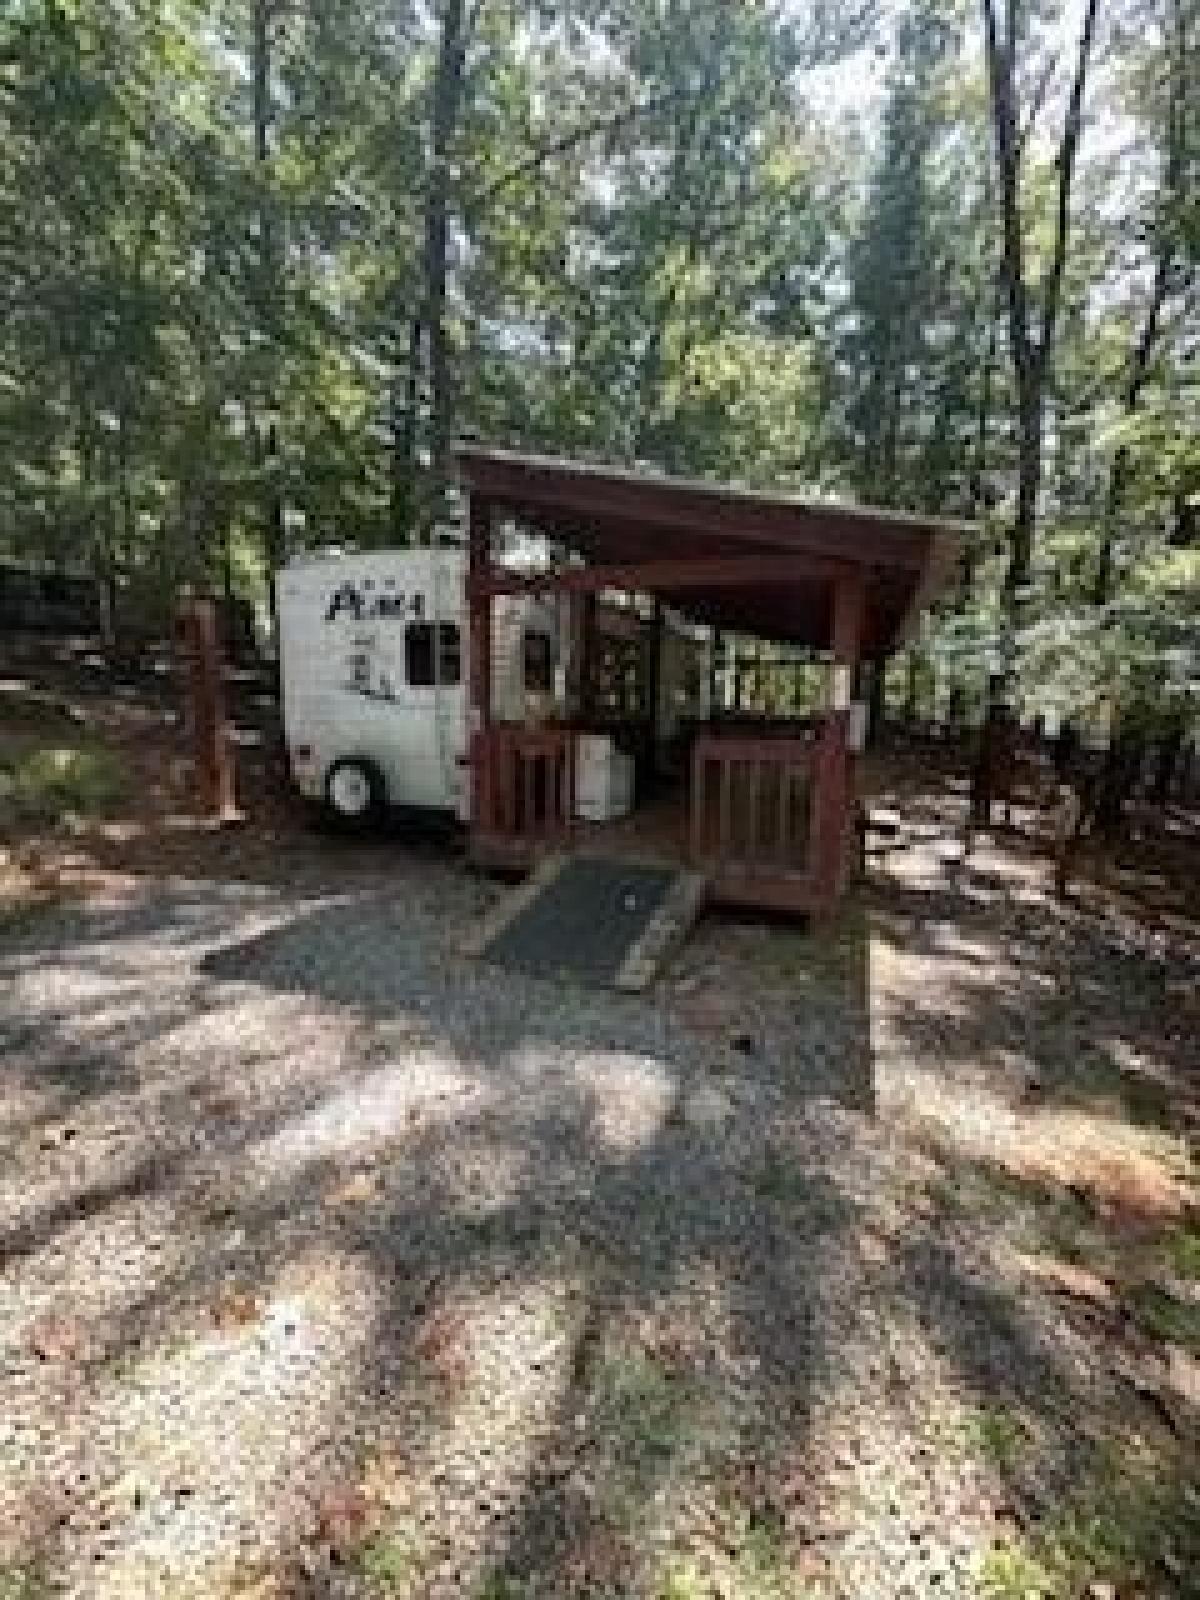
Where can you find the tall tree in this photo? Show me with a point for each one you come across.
(1173, 254)
(1033, 306)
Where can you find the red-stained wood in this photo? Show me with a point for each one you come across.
(739, 770)
(627, 520)
(479, 611)
(592, 497)
(849, 617)
(783, 824)
(832, 577)
(206, 715)
(651, 577)
(530, 797)
(836, 772)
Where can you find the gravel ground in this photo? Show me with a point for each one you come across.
(335, 1264)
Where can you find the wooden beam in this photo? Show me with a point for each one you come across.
(656, 577)
(835, 787)
(542, 492)
(849, 615)
(654, 678)
(479, 611)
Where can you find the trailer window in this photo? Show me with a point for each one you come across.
(539, 663)
(419, 655)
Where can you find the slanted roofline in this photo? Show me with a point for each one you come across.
(651, 479)
(626, 517)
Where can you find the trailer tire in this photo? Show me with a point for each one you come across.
(355, 794)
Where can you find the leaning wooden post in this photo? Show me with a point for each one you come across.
(216, 789)
(479, 601)
(835, 763)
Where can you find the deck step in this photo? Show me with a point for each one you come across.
(594, 919)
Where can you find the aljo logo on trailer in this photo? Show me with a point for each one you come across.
(366, 601)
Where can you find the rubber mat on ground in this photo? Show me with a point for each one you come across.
(584, 922)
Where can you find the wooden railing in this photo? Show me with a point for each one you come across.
(768, 814)
(752, 801)
(524, 784)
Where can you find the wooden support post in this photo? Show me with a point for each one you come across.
(654, 686)
(835, 797)
(697, 797)
(845, 638)
(216, 790)
(587, 657)
(576, 604)
(479, 562)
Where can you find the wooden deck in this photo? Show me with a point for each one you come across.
(761, 818)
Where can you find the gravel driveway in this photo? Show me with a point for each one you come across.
(334, 1263)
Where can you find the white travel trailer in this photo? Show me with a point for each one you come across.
(374, 655)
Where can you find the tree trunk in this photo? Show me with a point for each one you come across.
(1031, 352)
(1170, 747)
(447, 97)
(1024, 526)
(1122, 768)
(1143, 349)
(404, 403)
(269, 289)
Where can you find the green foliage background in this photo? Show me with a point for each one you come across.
(260, 260)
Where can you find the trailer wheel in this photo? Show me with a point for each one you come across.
(354, 793)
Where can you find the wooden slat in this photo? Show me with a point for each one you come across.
(783, 830)
(508, 818)
(799, 749)
(506, 812)
(723, 818)
(528, 786)
(746, 768)
(697, 800)
(754, 800)
(528, 760)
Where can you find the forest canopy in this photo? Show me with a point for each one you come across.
(263, 260)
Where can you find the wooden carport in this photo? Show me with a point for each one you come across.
(769, 813)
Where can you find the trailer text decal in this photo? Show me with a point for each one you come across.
(364, 601)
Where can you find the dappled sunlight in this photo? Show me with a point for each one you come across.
(467, 1277)
(1129, 1170)
(181, 1412)
(491, 1360)
(627, 1099)
(372, 1110)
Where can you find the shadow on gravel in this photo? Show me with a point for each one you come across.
(1101, 1484)
(809, 1030)
(1099, 1013)
(696, 1240)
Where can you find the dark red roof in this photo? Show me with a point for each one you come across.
(619, 516)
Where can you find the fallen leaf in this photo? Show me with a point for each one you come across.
(342, 1518)
(235, 1308)
(1063, 1277)
(58, 1338)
